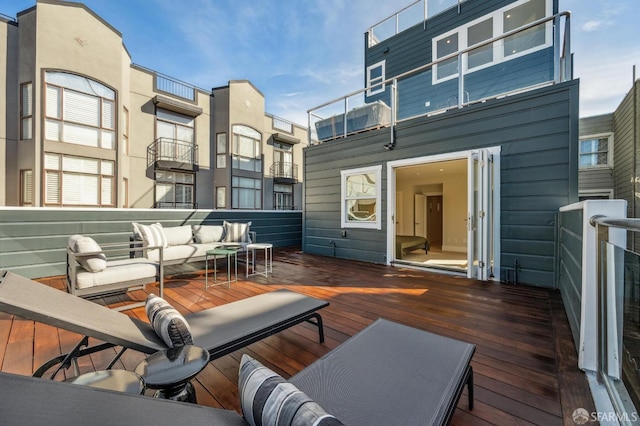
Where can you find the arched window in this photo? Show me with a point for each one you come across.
(79, 110)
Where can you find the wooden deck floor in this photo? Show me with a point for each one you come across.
(524, 366)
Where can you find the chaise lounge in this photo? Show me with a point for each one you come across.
(220, 330)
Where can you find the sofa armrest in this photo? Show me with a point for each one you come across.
(254, 236)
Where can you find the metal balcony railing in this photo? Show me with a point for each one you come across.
(175, 205)
(386, 103)
(282, 170)
(172, 150)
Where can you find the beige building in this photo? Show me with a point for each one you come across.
(84, 126)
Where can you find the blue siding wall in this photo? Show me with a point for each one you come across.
(538, 134)
(570, 267)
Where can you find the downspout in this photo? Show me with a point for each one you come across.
(635, 150)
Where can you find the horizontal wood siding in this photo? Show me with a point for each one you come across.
(625, 157)
(538, 134)
(33, 240)
(570, 268)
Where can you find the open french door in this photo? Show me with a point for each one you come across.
(480, 218)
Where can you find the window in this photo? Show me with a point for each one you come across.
(246, 193)
(283, 160)
(520, 16)
(375, 75)
(476, 34)
(221, 197)
(506, 19)
(79, 111)
(246, 149)
(174, 190)
(26, 111)
(447, 46)
(283, 197)
(221, 150)
(78, 181)
(175, 134)
(594, 151)
(26, 187)
(125, 131)
(361, 198)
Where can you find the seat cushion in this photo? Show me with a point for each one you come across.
(268, 399)
(186, 252)
(236, 232)
(167, 322)
(118, 271)
(95, 262)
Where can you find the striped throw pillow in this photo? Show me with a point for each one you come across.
(267, 399)
(167, 322)
(152, 235)
(236, 232)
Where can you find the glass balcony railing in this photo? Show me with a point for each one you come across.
(407, 17)
(618, 304)
(453, 81)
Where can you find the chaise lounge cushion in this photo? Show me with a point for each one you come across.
(268, 399)
(167, 322)
(236, 232)
(208, 233)
(95, 262)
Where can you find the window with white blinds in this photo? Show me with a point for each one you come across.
(79, 111)
(26, 187)
(78, 181)
(26, 111)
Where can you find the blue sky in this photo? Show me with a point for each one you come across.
(302, 53)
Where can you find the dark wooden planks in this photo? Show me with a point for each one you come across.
(525, 361)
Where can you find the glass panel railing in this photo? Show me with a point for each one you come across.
(619, 359)
(407, 17)
(362, 113)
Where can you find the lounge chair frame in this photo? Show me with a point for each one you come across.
(220, 330)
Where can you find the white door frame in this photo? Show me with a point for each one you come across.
(459, 155)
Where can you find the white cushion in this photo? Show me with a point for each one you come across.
(118, 271)
(208, 233)
(95, 262)
(236, 232)
(152, 235)
(177, 235)
(184, 252)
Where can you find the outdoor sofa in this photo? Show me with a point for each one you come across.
(189, 243)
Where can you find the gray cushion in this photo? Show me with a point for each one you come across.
(236, 232)
(96, 262)
(268, 399)
(178, 235)
(167, 322)
(208, 233)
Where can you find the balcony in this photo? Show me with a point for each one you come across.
(424, 91)
(172, 154)
(284, 173)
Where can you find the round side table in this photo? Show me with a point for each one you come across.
(268, 258)
(170, 371)
(229, 252)
(116, 380)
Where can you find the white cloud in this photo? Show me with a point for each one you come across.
(591, 26)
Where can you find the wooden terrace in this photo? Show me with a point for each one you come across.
(525, 364)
